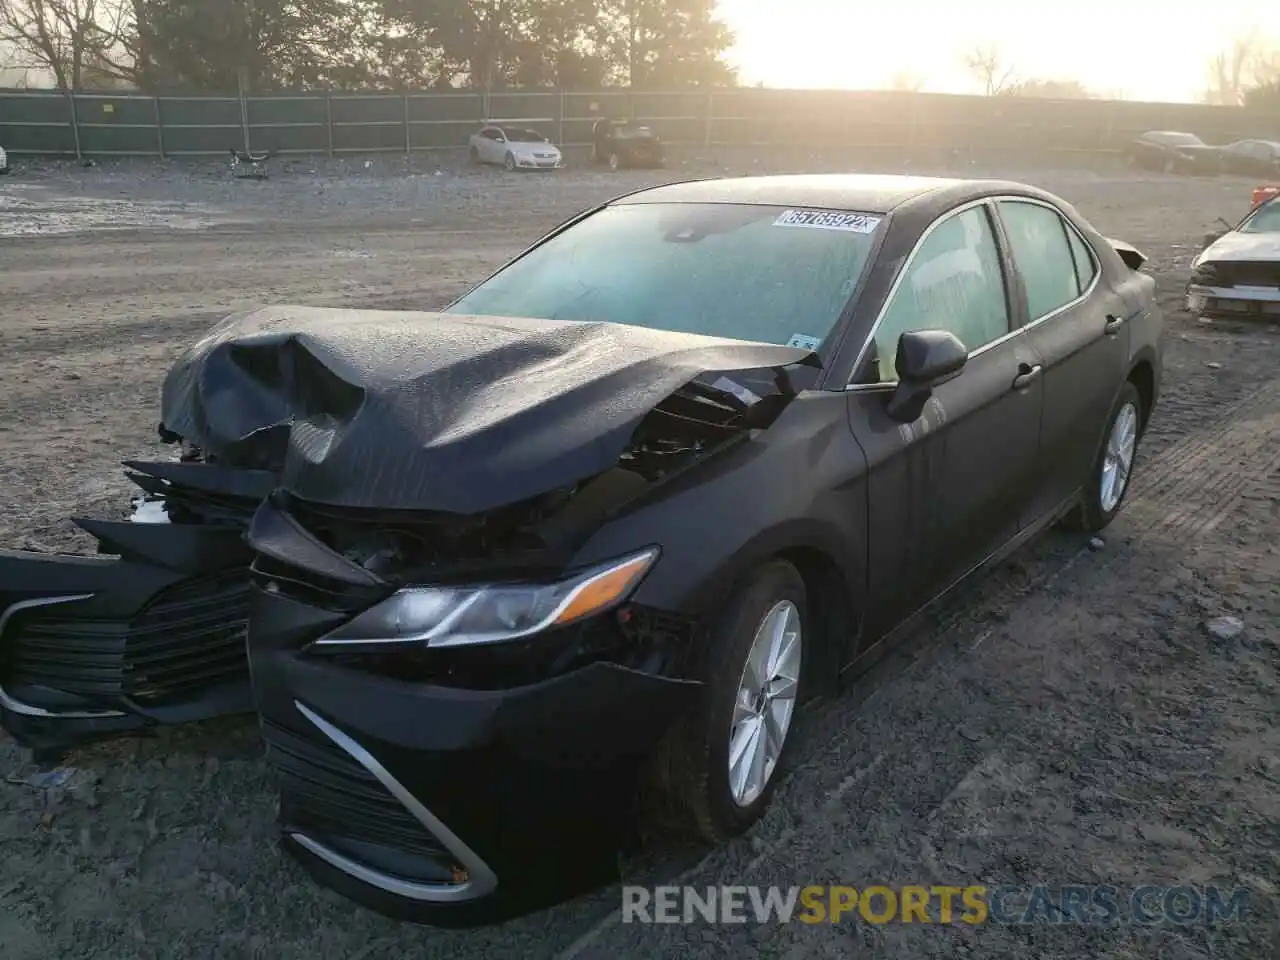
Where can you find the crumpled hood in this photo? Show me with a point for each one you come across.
(1243, 246)
(428, 411)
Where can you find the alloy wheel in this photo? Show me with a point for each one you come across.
(1117, 462)
(765, 703)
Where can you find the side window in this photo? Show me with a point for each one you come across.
(1086, 265)
(1038, 239)
(954, 282)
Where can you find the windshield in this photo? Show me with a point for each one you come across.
(745, 272)
(516, 135)
(1266, 219)
(1177, 139)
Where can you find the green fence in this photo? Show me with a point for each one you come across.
(128, 124)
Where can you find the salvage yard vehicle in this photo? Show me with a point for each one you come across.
(1173, 152)
(1237, 276)
(1251, 158)
(624, 144)
(514, 148)
(587, 531)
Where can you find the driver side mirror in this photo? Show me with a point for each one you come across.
(926, 359)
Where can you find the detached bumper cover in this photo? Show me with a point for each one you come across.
(416, 798)
(152, 631)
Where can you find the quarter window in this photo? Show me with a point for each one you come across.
(1042, 252)
(1086, 266)
(954, 282)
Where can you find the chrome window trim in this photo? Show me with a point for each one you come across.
(481, 879)
(910, 259)
(25, 709)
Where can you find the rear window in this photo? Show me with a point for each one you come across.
(1176, 139)
(746, 272)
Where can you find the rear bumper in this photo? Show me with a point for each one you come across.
(457, 805)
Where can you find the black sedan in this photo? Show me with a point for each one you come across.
(590, 530)
(1174, 152)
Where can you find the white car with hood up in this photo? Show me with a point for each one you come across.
(1238, 274)
(515, 148)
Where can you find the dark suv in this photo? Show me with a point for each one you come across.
(625, 143)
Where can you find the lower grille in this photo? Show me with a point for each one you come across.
(1245, 273)
(328, 795)
(190, 636)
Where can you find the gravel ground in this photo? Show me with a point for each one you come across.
(1071, 721)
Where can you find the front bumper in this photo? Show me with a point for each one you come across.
(1236, 302)
(540, 163)
(443, 805)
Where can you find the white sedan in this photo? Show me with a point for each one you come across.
(515, 148)
(4, 161)
(1238, 274)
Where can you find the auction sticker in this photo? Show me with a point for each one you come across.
(827, 220)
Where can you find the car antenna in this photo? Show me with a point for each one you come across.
(1229, 226)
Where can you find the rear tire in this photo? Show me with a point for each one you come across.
(474, 157)
(695, 765)
(1100, 501)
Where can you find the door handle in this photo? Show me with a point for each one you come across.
(1113, 326)
(1028, 376)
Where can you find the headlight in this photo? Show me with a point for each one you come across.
(1205, 275)
(444, 616)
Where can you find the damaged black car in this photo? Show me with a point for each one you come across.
(608, 521)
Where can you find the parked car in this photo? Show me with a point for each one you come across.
(1238, 275)
(4, 162)
(586, 528)
(515, 148)
(1173, 152)
(625, 143)
(1251, 158)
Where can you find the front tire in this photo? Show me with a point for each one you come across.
(615, 162)
(474, 157)
(1112, 471)
(724, 760)
(509, 163)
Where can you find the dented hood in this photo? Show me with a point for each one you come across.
(428, 411)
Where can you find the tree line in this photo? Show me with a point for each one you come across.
(215, 45)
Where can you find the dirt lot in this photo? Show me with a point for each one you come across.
(1071, 722)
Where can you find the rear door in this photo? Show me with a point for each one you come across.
(150, 630)
(1078, 326)
(945, 491)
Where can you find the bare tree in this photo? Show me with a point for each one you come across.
(1229, 73)
(988, 66)
(71, 39)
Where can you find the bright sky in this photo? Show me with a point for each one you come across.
(1139, 49)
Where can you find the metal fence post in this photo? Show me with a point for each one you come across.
(408, 142)
(75, 123)
(560, 124)
(155, 103)
(328, 118)
(242, 81)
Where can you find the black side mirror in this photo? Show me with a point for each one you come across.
(926, 359)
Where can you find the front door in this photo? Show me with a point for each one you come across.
(945, 491)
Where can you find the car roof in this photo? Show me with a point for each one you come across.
(869, 193)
